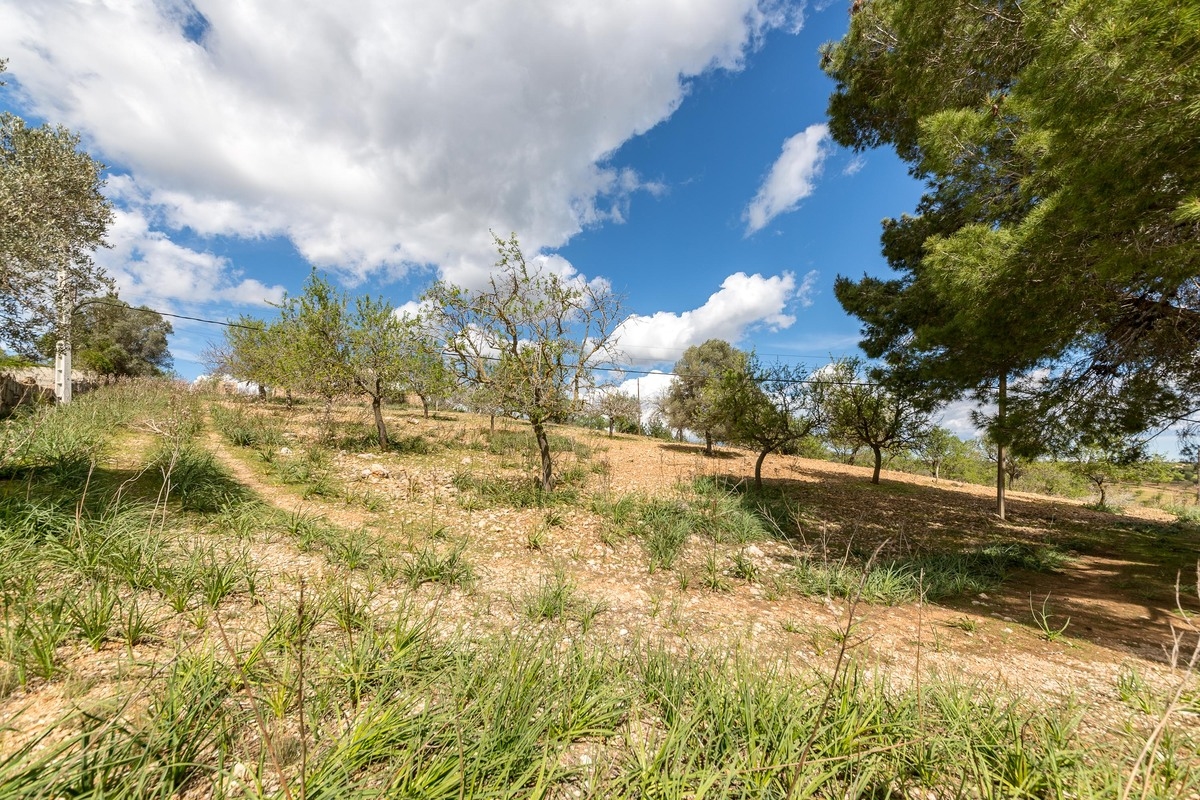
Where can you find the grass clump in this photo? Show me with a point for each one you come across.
(937, 576)
(415, 445)
(192, 475)
(482, 491)
(558, 598)
(312, 470)
(243, 428)
(663, 526)
(429, 566)
(664, 533)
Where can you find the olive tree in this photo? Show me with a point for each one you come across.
(693, 400)
(767, 408)
(53, 216)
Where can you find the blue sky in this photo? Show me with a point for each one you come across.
(675, 149)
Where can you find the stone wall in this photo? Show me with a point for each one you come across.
(21, 385)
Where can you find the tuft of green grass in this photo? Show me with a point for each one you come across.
(94, 611)
(714, 575)
(428, 566)
(1135, 692)
(354, 549)
(558, 598)
(350, 608)
(744, 568)
(1042, 617)
(935, 576)
(663, 538)
(246, 429)
(312, 470)
(481, 491)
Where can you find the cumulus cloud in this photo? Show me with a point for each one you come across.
(151, 269)
(376, 134)
(743, 302)
(791, 178)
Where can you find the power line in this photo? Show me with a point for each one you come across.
(162, 314)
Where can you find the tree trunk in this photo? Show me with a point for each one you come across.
(327, 421)
(611, 424)
(380, 428)
(492, 424)
(707, 443)
(936, 469)
(762, 456)
(543, 443)
(878, 463)
(424, 406)
(1001, 435)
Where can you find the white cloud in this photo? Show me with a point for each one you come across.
(854, 166)
(791, 178)
(376, 134)
(151, 269)
(958, 417)
(650, 389)
(743, 302)
(410, 310)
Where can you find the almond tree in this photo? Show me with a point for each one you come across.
(856, 408)
(619, 408)
(375, 353)
(529, 339)
(767, 408)
(422, 369)
(934, 448)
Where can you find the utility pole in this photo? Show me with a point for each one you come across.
(62, 349)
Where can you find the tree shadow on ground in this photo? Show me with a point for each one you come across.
(201, 485)
(1118, 586)
(698, 450)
